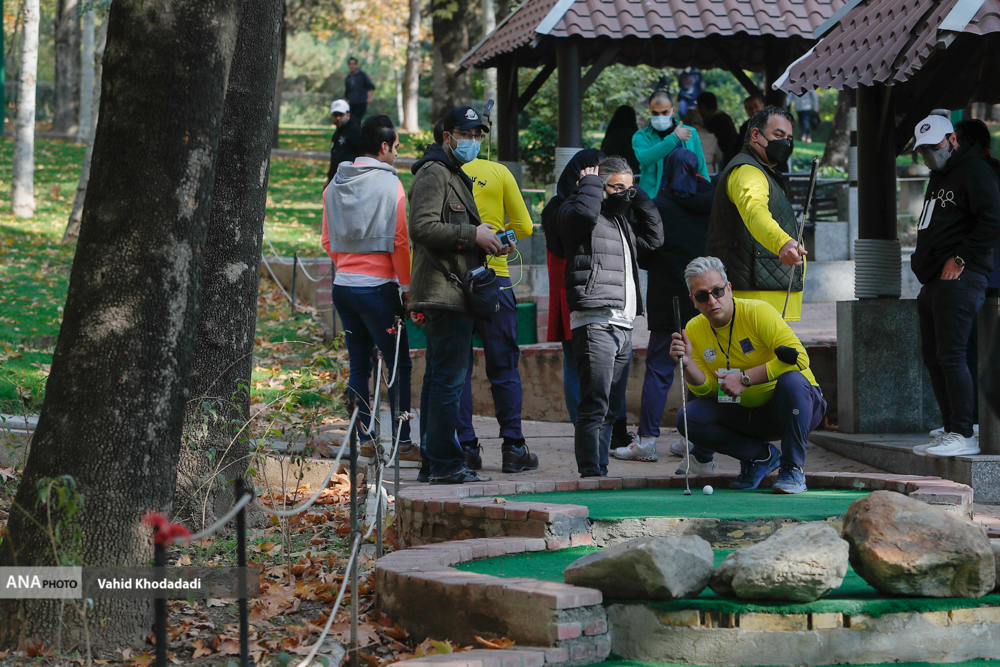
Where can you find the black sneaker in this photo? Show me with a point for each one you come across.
(460, 477)
(471, 450)
(425, 471)
(516, 457)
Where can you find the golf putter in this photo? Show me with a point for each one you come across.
(802, 227)
(684, 406)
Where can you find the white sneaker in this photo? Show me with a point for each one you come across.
(921, 450)
(953, 444)
(677, 447)
(940, 431)
(697, 467)
(642, 448)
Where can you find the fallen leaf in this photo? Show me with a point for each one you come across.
(501, 643)
(200, 649)
(216, 602)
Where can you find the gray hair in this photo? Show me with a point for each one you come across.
(612, 165)
(699, 266)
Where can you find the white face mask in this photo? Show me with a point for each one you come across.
(661, 123)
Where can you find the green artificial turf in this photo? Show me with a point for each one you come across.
(760, 504)
(854, 596)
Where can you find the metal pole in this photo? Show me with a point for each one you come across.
(295, 267)
(352, 655)
(241, 561)
(160, 606)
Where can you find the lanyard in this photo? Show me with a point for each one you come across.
(730, 335)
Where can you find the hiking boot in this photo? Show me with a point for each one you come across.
(953, 444)
(697, 467)
(752, 473)
(461, 476)
(425, 471)
(409, 456)
(366, 453)
(921, 450)
(642, 448)
(471, 450)
(516, 457)
(791, 479)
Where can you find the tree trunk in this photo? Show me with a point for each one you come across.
(66, 103)
(411, 87)
(22, 198)
(489, 74)
(212, 452)
(72, 232)
(451, 42)
(115, 397)
(87, 67)
(279, 85)
(839, 142)
(397, 79)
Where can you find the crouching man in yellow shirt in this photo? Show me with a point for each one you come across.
(751, 379)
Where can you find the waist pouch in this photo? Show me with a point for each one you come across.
(482, 291)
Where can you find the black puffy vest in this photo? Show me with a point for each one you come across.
(749, 265)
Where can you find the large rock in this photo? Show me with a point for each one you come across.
(646, 568)
(902, 546)
(802, 564)
(996, 558)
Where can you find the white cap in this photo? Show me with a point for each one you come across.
(931, 131)
(340, 106)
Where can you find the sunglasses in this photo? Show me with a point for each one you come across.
(702, 297)
(619, 189)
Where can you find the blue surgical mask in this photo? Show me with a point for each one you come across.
(661, 123)
(467, 149)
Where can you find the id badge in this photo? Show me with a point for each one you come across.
(723, 398)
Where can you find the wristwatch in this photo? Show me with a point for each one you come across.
(959, 261)
(745, 379)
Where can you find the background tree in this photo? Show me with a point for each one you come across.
(66, 103)
(411, 88)
(213, 451)
(87, 72)
(22, 198)
(115, 397)
(450, 27)
(839, 142)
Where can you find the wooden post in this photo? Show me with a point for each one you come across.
(570, 97)
(876, 163)
(508, 149)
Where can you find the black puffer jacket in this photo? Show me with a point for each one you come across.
(595, 263)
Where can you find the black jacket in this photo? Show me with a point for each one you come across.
(595, 264)
(685, 232)
(619, 142)
(722, 126)
(966, 217)
(344, 145)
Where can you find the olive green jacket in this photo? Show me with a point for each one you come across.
(442, 223)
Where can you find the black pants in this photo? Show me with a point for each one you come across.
(603, 352)
(947, 309)
(358, 110)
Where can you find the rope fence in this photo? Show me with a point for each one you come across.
(164, 535)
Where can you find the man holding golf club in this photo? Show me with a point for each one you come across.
(753, 229)
(751, 381)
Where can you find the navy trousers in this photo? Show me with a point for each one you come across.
(796, 408)
(502, 355)
(656, 383)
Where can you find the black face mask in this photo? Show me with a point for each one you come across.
(778, 150)
(618, 203)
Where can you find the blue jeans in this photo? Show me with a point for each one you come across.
(501, 354)
(571, 384)
(603, 352)
(367, 313)
(656, 383)
(449, 336)
(947, 310)
(796, 408)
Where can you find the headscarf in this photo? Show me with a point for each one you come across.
(681, 172)
(588, 157)
(624, 117)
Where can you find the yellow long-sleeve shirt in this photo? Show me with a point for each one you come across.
(747, 188)
(757, 330)
(499, 200)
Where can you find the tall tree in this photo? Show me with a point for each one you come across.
(449, 23)
(490, 73)
(280, 83)
(22, 197)
(66, 102)
(87, 67)
(115, 397)
(839, 142)
(411, 85)
(212, 451)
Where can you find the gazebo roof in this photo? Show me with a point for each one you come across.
(657, 32)
(889, 41)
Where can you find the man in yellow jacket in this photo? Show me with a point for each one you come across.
(501, 205)
(752, 381)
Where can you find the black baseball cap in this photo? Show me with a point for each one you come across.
(464, 118)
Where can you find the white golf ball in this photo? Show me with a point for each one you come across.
(708, 490)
